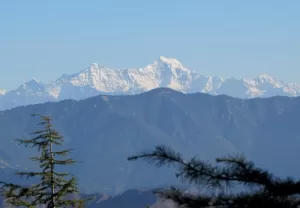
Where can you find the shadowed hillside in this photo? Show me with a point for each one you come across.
(105, 130)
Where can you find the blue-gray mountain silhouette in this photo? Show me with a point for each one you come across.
(105, 130)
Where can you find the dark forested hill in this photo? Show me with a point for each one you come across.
(105, 130)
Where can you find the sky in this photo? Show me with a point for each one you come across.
(232, 38)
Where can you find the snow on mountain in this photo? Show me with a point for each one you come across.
(163, 72)
(2, 92)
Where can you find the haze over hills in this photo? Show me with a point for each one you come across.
(130, 198)
(105, 130)
(163, 72)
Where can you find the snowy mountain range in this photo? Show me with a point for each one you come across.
(163, 72)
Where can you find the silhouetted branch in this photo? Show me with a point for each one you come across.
(269, 191)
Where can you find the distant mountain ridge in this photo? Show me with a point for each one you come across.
(104, 130)
(163, 72)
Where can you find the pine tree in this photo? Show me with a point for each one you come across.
(263, 189)
(54, 187)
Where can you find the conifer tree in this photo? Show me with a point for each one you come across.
(54, 188)
(263, 189)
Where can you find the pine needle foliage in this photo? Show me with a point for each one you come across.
(55, 187)
(263, 188)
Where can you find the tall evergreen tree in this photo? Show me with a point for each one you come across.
(263, 189)
(55, 187)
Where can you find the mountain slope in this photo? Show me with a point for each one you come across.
(163, 72)
(105, 130)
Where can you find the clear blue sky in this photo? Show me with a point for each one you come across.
(44, 39)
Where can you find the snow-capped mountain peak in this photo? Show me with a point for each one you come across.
(163, 72)
(167, 64)
(33, 84)
(172, 62)
(266, 76)
(266, 80)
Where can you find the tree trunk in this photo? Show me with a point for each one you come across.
(52, 176)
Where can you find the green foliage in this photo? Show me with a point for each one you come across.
(263, 188)
(54, 187)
